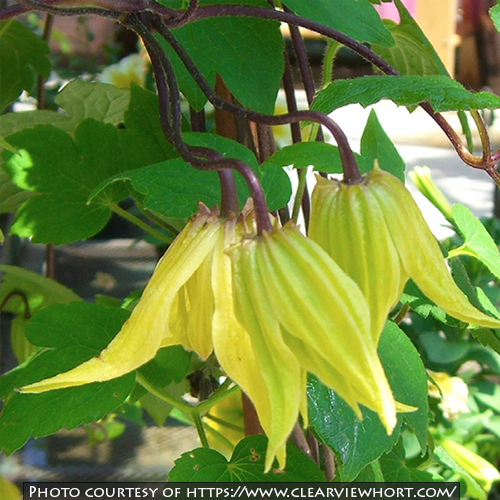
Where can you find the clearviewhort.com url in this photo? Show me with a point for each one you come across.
(246, 491)
(340, 492)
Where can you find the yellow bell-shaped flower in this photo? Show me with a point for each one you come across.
(304, 314)
(169, 312)
(376, 233)
(273, 307)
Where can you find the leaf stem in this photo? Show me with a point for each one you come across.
(24, 300)
(297, 203)
(200, 429)
(138, 222)
(221, 393)
(180, 405)
(351, 171)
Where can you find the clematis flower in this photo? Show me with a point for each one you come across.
(297, 304)
(484, 473)
(167, 314)
(376, 233)
(453, 393)
(273, 307)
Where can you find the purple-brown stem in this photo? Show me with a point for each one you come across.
(169, 99)
(351, 171)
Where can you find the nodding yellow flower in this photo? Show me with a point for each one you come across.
(376, 233)
(167, 313)
(484, 473)
(304, 314)
(273, 307)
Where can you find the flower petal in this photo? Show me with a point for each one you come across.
(419, 251)
(348, 223)
(323, 309)
(255, 355)
(142, 334)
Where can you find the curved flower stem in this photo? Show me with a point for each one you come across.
(351, 171)
(58, 8)
(24, 300)
(14, 11)
(138, 222)
(225, 390)
(170, 119)
(186, 16)
(302, 175)
(483, 134)
(460, 148)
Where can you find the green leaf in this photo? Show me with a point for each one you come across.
(246, 465)
(357, 19)
(441, 92)
(488, 393)
(246, 52)
(63, 172)
(173, 188)
(23, 56)
(142, 141)
(170, 364)
(40, 291)
(423, 306)
(478, 241)
(412, 54)
(395, 469)
(322, 156)
(406, 374)
(73, 333)
(11, 197)
(376, 145)
(441, 350)
(357, 443)
(79, 100)
(495, 16)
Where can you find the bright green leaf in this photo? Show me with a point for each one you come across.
(357, 19)
(74, 333)
(407, 376)
(246, 465)
(412, 54)
(63, 172)
(173, 188)
(79, 100)
(441, 92)
(376, 145)
(246, 52)
(23, 55)
(495, 16)
(478, 241)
